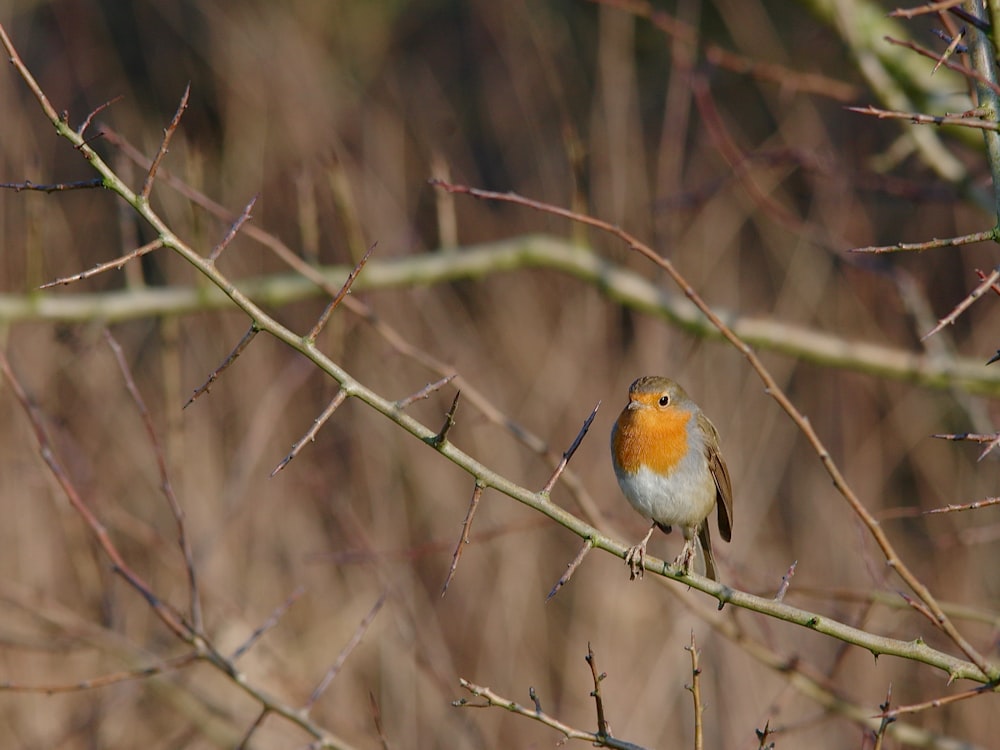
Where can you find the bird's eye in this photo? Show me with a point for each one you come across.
(664, 400)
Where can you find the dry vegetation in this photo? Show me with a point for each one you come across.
(753, 181)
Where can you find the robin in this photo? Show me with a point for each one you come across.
(666, 456)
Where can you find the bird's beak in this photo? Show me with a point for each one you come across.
(633, 405)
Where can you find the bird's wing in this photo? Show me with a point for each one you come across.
(723, 485)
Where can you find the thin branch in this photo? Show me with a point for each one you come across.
(921, 119)
(990, 235)
(338, 663)
(786, 581)
(169, 665)
(213, 376)
(598, 677)
(90, 118)
(313, 431)
(267, 625)
(425, 392)
(57, 187)
(344, 291)
(964, 70)
(570, 451)
(987, 502)
(927, 9)
(449, 422)
(939, 702)
(376, 713)
(965, 304)
(234, 229)
(116, 264)
(493, 699)
(168, 133)
(886, 720)
(695, 688)
(463, 539)
(194, 597)
(571, 568)
(167, 614)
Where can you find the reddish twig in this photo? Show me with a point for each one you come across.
(918, 118)
(338, 663)
(90, 118)
(166, 614)
(213, 376)
(234, 229)
(344, 291)
(571, 568)
(425, 392)
(117, 264)
(786, 581)
(267, 625)
(463, 539)
(570, 451)
(313, 431)
(165, 484)
(57, 187)
(965, 304)
(899, 247)
(168, 133)
(169, 665)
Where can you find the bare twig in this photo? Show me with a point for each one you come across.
(967, 506)
(463, 540)
(919, 118)
(449, 422)
(168, 133)
(338, 663)
(493, 699)
(166, 485)
(117, 264)
(925, 9)
(886, 720)
(313, 431)
(965, 304)
(267, 625)
(100, 108)
(964, 70)
(344, 291)
(57, 187)
(786, 581)
(168, 665)
(603, 730)
(967, 239)
(937, 702)
(571, 568)
(234, 229)
(377, 720)
(695, 688)
(167, 615)
(425, 392)
(236, 352)
(570, 451)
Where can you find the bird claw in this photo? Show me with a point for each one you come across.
(635, 558)
(685, 558)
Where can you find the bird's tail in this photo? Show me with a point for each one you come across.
(704, 551)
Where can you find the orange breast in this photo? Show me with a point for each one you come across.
(652, 438)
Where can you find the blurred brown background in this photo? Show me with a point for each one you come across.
(337, 114)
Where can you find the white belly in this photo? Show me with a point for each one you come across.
(685, 499)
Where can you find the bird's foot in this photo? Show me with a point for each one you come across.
(685, 559)
(635, 558)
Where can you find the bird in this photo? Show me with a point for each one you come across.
(666, 456)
